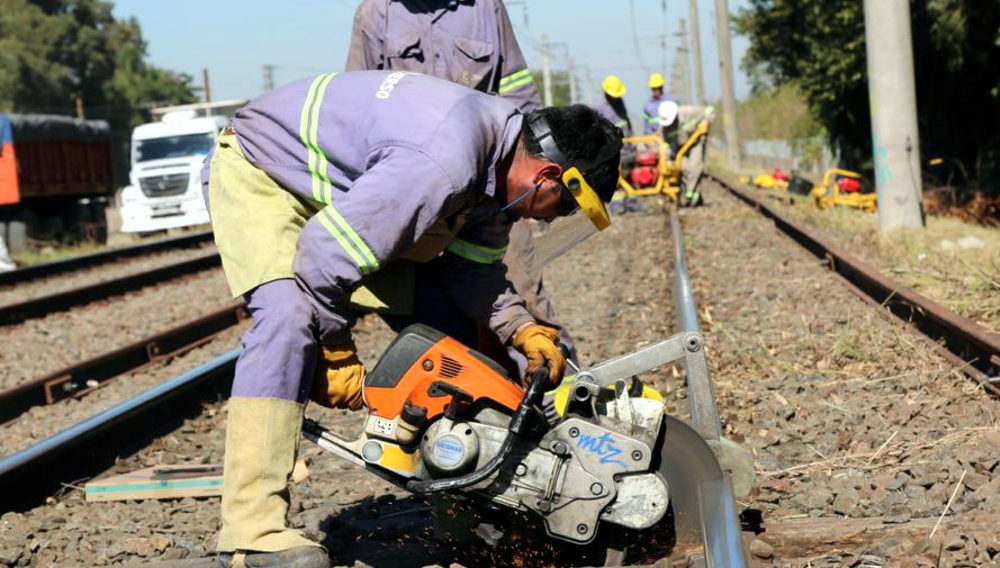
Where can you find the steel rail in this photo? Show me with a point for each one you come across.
(972, 348)
(720, 517)
(38, 307)
(33, 470)
(85, 260)
(82, 378)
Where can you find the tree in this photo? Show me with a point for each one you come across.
(53, 52)
(819, 46)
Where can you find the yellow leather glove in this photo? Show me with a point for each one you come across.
(540, 344)
(339, 376)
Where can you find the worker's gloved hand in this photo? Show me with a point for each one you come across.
(339, 376)
(540, 345)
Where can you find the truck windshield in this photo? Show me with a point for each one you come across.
(181, 146)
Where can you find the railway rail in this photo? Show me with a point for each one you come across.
(87, 260)
(82, 378)
(720, 519)
(93, 444)
(973, 348)
(18, 312)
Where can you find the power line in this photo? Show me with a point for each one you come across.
(635, 36)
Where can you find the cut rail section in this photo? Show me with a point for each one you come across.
(82, 378)
(11, 314)
(720, 517)
(86, 260)
(972, 348)
(93, 444)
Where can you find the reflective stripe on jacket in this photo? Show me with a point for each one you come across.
(388, 156)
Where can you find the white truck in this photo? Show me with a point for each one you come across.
(164, 190)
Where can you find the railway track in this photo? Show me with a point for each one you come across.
(18, 312)
(82, 378)
(974, 349)
(55, 267)
(92, 445)
(721, 525)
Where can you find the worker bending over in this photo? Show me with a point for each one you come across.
(471, 43)
(321, 191)
(679, 124)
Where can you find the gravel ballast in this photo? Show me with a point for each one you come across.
(44, 345)
(851, 420)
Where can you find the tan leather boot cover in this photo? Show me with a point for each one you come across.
(262, 439)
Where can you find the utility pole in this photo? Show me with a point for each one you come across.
(546, 73)
(682, 52)
(268, 78)
(591, 98)
(728, 92)
(208, 87)
(696, 51)
(571, 76)
(893, 100)
(677, 78)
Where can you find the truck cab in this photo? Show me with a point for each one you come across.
(165, 177)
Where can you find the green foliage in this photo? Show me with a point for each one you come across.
(777, 113)
(560, 86)
(781, 113)
(819, 46)
(53, 52)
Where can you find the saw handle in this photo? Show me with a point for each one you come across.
(532, 398)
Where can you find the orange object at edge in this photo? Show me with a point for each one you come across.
(10, 191)
(452, 363)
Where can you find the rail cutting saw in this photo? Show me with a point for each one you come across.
(445, 418)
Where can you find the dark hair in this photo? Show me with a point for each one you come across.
(580, 134)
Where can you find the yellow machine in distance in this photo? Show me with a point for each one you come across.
(668, 172)
(829, 193)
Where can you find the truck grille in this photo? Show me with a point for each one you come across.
(163, 186)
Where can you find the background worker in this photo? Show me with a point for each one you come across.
(308, 209)
(683, 126)
(612, 106)
(471, 43)
(650, 110)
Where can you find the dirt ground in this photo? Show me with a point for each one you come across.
(952, 261)
(861, 435)
(849, 417)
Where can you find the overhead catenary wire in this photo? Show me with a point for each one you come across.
(635, 37)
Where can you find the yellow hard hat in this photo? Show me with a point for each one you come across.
(656, 81)
(613, 87)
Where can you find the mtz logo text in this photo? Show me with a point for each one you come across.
(603, 446)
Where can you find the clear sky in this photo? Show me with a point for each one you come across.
(235, 39)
